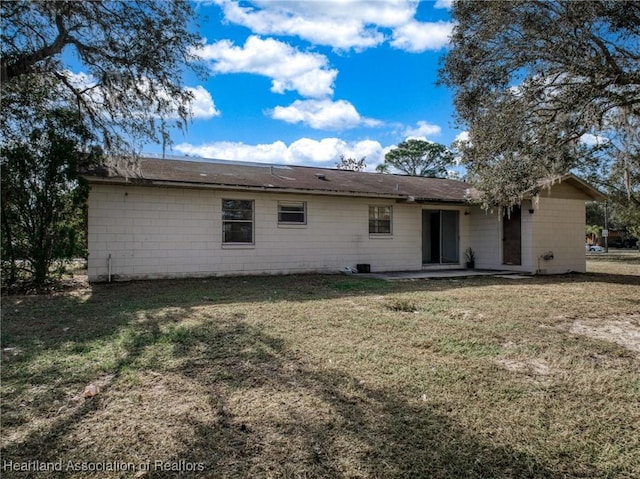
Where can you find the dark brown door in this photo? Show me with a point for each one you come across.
(512, 237)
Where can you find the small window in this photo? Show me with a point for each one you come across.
(292, 213)
(237, 221)
(380, 220)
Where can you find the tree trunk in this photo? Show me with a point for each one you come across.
(8, 240)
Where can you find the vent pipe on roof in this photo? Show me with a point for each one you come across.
(320, 176)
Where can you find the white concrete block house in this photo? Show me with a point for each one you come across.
(179, 218)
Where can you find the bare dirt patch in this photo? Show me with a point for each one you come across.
(535, 369)
(624, 331)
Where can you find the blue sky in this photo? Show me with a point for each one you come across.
(302, 82)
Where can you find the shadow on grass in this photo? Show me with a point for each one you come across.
(279, 418)
(272, 414)
(78, 323)
(56, 329)
(262, 409)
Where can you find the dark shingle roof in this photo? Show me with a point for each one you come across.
(303, 179)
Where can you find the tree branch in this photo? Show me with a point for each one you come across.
(19, 65)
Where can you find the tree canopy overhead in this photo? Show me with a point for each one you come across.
(536, 83)
(131, 53)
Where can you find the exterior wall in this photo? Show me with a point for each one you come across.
(155, 232)
(563, 190)
(559, 228)
(486, 239)
(556, 226)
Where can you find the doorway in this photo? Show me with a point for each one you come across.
(512, 237)
(440, 237)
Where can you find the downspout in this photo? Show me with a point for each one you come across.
(109, 266)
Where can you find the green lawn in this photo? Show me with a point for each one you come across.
(327, 377)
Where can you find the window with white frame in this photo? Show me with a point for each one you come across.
(380, 218)
(292, 213)
(237, 221)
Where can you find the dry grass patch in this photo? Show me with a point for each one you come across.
(615, 262)
(323, 376)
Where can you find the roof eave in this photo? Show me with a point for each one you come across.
(590, 191)
(219, 186)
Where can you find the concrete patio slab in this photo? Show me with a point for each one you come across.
(441, 274)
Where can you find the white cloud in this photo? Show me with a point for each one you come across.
(289, 69)
(323, 114)
(202, 105)
(80, 80)
(417, 37)
(305, 151)
(341, 24)
(590, 139)
(460, 139)
(227, 150)
(463, 136)
(423, 130)
(448, 4)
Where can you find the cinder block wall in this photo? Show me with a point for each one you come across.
(559, 226)
(556, 225)
(156, 232)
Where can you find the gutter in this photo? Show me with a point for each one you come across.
(401, 198)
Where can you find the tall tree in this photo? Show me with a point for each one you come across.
(131, 56)
(533, 79)
(42, 194)
(351, 163)
(613, 165)
(418, 158)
